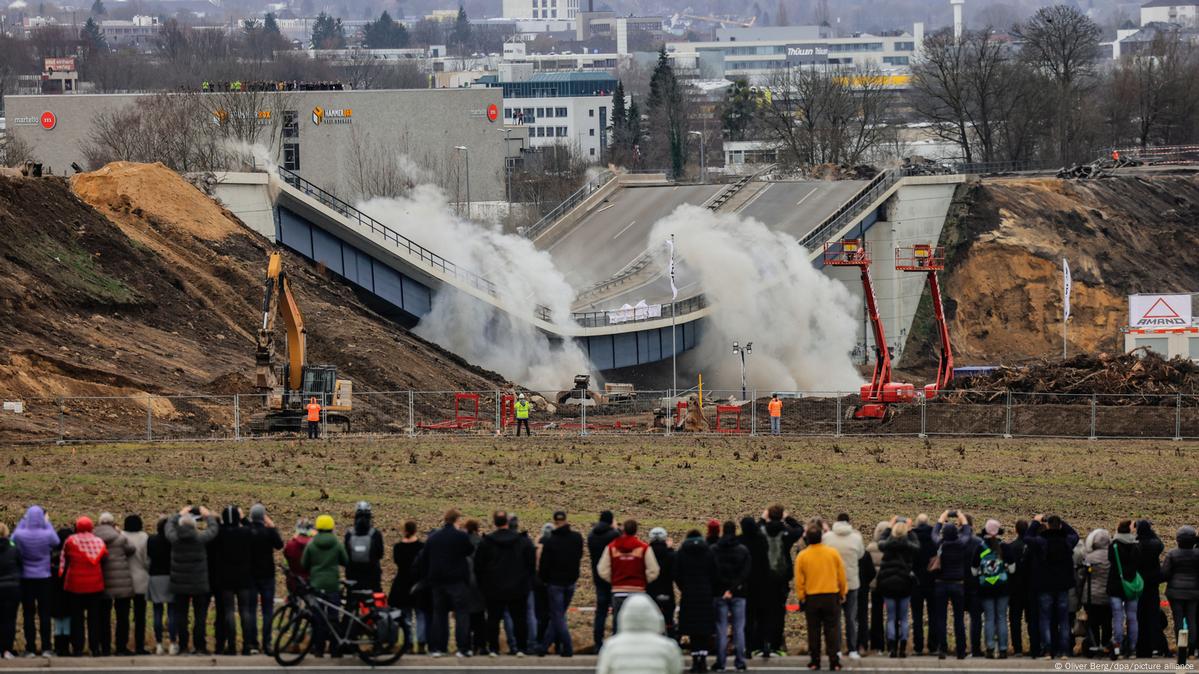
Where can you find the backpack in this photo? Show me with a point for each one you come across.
(776, 554)
(360, 547)
(1132, 588)
(992, 572)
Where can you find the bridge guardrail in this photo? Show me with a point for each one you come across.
(588, 188)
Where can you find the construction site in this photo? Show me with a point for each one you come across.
(142, 305)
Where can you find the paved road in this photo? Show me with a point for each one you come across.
(797, 207)
(423, 665)
(617, 232)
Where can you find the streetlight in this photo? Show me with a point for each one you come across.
(703, 160)
(743, 351)
(466, 153)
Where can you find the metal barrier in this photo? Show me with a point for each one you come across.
(588, 188)
(998, 414)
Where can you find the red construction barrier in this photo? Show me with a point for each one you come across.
(723, 412)
(462, 419)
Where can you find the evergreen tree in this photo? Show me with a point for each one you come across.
(462, 28)
(98, 8)
(328, 33)
(633, 135)
(92, 39)
(668, 116)
(738, 110)
(269, 24)
(620, 120)
(781, 15)
(385, 33)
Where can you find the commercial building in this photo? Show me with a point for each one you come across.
(754, 54)
(141, 33)
(557, 108)
(1164, 324)
(540, 9)
(1184, 13)
(318, 132)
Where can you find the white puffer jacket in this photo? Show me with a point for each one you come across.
(639, 646)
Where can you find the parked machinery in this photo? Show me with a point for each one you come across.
(881, 391)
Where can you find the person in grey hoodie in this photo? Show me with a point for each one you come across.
(1180, 569)
(35, 540)
(118, 585)
(139, 568)
(847, 541)
(189, 538)
(1092, 590)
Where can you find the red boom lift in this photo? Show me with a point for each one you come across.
(881, 391)
(931, 259)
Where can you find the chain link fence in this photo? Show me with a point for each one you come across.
(1000, 414)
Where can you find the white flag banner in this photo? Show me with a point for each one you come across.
(674, 291)
(1066, 283)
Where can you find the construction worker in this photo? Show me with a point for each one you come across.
(314, 418)
(204, 86)
(1115, 155)
(522, 414)
(776, 414)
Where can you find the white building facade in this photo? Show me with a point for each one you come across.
(540, 9)
(570, 109)
(1181, 12)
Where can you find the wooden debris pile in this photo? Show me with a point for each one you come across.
(1138, 378)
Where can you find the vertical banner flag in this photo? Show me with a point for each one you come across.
(674, 291)
(1065, 290)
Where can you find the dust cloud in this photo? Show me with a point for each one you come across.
(763, 288)
(525, 278)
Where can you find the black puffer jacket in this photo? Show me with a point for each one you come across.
(696, 576)
(953, 546)
(1151, 554)
(189, 554)
(232, 550)
(10, 571)
(733, 566)
(601, 535)
(663, 586)
(1050, 555)
(896, 577)
(1126, 546)
(1180, 568)
(561, 555)
(504, 565)
(158, 549)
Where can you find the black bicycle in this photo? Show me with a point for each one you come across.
(364, 625)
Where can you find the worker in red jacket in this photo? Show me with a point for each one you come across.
(628, 563)
(83, 582)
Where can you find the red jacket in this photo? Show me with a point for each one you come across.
(82, 555)
(293, 552)
(630, 564)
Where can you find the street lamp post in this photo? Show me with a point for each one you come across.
(703, 158)
(466, 154)
(508, 170)
(743, 351)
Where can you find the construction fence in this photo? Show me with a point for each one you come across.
(999, 414)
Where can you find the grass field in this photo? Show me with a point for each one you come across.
(676, 482)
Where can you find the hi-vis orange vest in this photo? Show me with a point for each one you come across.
(314, 411)
(776, 408)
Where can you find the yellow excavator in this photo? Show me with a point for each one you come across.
(289, 386)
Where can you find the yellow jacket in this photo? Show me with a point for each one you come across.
(819, 570)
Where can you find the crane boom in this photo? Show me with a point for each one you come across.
(929, 259)
(278, 301)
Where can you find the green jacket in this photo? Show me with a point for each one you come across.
(323, 558)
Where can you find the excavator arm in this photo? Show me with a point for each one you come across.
(278, 301)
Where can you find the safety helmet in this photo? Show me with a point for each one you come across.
(324, 523)
(362, 507)
(521, 396)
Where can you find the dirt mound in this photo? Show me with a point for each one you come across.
(158, 194)
(151, 287)
(1005, 239)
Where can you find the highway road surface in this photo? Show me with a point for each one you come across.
(617, 231)
(797, 207)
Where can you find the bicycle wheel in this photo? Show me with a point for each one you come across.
(293, 640)
(282, 616)
(381, 636)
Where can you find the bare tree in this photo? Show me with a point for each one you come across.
(16, 59)
(380, 169)
(940, 92)
(1152, 95)
(1062, 42)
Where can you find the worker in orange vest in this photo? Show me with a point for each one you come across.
(776, 414)
(314, 418)
(1115, 155)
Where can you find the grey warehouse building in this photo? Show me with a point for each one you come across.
(321, 133)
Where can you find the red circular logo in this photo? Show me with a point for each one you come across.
(49, 121)
(493, 112)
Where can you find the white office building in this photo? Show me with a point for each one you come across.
(1184, 13)
(754, 53)
(569, 109)
(540, 9)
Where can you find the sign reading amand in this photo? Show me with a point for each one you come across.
(1159, 311)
